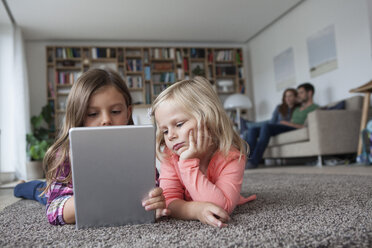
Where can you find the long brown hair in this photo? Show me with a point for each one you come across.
(200, 100)
(76, 110)
(283, 107)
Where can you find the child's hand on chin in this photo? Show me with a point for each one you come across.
(211, 214)
(200, 147)
(156, 200)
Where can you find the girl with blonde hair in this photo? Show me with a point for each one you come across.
(202, 157)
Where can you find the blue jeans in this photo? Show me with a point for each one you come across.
(258, 138)
(31, 190)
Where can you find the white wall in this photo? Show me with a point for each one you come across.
(36, 63)
(6, 48)
(369, 4)
(353, 44)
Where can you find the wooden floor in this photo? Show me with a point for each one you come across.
(7, 198)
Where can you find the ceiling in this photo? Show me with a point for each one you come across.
(233, 21)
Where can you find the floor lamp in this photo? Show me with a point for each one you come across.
(237, 102)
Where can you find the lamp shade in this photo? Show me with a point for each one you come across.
(239, 101)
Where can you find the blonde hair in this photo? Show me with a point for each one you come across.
(198, 98)
(76, 110)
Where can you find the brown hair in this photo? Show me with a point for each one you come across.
(283, 107)
(76, 110)
(200, 100)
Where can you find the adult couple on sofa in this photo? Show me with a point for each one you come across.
(288, 116)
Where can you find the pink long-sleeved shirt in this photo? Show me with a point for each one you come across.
(221, 185)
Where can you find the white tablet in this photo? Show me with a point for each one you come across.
(113, 169)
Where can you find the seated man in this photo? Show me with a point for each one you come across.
(258, 137)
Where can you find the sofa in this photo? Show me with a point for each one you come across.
(327, 131)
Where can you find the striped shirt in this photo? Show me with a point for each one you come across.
(59, 193)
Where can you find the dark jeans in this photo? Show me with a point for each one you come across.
(31, 190)
(258, 139)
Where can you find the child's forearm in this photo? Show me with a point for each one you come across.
(69, 211)
(184, 210)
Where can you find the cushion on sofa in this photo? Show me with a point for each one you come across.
(338, 106)
(299, 135)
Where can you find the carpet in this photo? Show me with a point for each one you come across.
(291, 211)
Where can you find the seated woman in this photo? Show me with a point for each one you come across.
(282, 112)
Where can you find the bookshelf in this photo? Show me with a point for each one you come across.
(146, 70)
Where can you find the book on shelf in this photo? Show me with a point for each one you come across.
(185, 64)
(210, 74)
(148, 94)
(210, 57)
(120, 55)
(163, 53)
(67, 53)
(159, 88)
(147, 73)
(50, 90)
(179, 73)
(50, 56)
(241, 72)
(67, 77)
(178, 56)
(239, 57)
(224, 55)
(164, 77)
(134, 65)
(185, 52)
(171, 53)
(101, 52)
(146, 56)
(134, 82)
(197, 53)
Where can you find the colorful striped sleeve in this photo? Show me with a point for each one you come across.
(57, 195)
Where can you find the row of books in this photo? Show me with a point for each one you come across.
(66, 77)
(163, 53)
(67, 53)
(165, 77)
(134, 82)
(158, 89)
(134, 65)
(100, 52)
(197, 53)
(224, 55)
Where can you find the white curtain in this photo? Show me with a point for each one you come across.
(14, 103)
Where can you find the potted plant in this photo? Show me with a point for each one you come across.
(38, 142)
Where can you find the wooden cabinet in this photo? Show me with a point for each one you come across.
(146, 70)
